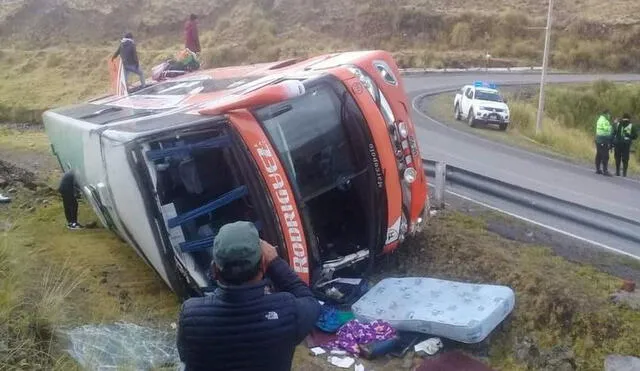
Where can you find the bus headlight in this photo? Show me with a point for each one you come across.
(410, 175)
(402, 130)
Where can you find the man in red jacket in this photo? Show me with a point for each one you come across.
(191, 37)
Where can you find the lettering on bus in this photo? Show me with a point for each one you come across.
(286, 210)
(376, 165)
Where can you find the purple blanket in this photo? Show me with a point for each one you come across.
(355, 333)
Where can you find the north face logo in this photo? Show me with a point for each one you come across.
(271, 316)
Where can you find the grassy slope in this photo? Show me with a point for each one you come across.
(91, 276)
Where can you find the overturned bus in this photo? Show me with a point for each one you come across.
(320, 154)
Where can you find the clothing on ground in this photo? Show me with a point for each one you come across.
(191, 37)
(331, 319)
(356, 333)
(247, 327)
(453, 361)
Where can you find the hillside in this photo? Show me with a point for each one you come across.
(54, 21)
(61, 45)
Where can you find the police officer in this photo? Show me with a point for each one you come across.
(604, 136)
(625, 134)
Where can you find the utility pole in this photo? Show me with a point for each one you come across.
(545, 62)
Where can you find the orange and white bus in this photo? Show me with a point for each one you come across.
(320, 154)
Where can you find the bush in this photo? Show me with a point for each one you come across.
(461, 34)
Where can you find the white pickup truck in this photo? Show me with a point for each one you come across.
(481, 103)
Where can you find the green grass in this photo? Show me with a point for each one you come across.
(52, 278)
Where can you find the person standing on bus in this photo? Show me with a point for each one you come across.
(129, 55)
(191, 37)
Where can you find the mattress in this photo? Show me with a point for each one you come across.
(462, 312)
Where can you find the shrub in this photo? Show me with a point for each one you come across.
(461, 34)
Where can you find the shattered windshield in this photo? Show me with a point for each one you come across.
(311, 139)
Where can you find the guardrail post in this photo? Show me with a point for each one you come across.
(441, 178)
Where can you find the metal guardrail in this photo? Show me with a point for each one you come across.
(420, 71)
(579, 214)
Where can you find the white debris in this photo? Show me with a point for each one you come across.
(359, 367)
(317, 351)
(173, 326)
(429, 346)
(342, 362)
(337, 352)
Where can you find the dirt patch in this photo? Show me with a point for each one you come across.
(11, 175)
(25, 157)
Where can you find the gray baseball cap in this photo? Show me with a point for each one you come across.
(237, 247)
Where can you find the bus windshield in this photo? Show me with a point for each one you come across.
(312, 142)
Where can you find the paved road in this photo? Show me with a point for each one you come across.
(554, 177)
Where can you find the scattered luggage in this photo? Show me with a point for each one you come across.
(183, 62)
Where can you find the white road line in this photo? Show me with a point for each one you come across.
(493, 142)
(557, 230)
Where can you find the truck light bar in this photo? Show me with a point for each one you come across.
(221, 201)
(482, 84)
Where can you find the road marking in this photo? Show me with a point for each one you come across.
(415, 108)
(554, 229)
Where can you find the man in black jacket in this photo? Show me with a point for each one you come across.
(625, 134)
(244, 325)
(129, 55)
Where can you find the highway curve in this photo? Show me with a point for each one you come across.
(570, 182)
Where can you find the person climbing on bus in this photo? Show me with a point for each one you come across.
(129, 54)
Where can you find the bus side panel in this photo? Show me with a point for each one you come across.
(279, 188)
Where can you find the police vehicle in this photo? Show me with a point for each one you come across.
(481, 103)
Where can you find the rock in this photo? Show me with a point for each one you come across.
(3, 182)
(556, 359)
(560, 358)
(630, 299)
(621, 363)
(526, 350)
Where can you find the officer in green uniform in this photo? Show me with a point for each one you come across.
(604, 136)
(625, 134)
